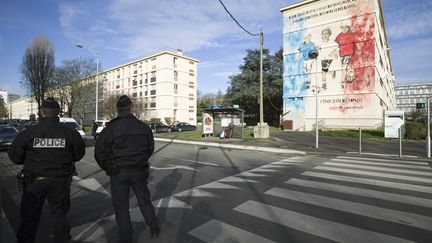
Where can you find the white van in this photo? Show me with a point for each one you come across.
(101, 124)
(70, 122)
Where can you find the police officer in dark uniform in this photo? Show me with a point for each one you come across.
(48, 152)
(122, 150)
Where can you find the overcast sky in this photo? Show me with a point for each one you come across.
(124, 30)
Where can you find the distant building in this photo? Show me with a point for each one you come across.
(163, 86)
(12, 97)
(22, 108)
(408, 95)
(352, 73)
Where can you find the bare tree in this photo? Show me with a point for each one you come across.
(74, 87)
(38, 68)
(3, 109)
(110, 106)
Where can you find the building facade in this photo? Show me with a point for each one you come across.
(350, 82)
(163, 86)
(409, 94)
(22, 108)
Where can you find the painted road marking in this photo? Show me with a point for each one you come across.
(422, 202)
(396, 185)
(378, 174)
(377, 168)
(313, 225)
(391, 215)
(219, 232)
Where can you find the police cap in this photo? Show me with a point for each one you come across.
(124, 101)
(50, 103)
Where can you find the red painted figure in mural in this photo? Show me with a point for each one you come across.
(346, 41)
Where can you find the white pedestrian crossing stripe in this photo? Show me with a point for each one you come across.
(377, 174)
(417, 201)
(381, 160)
(313, 225)
(395, 216)
(396, 185)
(425, 173)
(385, 164)
(220, 232)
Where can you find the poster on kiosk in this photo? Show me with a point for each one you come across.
(393, 120)
(207, 123)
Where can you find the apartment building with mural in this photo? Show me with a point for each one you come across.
(163, 87)
(351, 79)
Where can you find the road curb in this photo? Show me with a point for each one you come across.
(232, 146)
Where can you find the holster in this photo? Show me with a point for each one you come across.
(24, 179)
(112, 170)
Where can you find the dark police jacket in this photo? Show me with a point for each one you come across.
(48, 149)
(125, 141)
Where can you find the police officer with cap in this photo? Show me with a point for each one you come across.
(123, 149)
(48, 151)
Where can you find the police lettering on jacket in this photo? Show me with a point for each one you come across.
(49, 142)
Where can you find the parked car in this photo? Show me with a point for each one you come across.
(70, 122)
(101, 124)
(7, 136)
(159, 127)
(183, 126)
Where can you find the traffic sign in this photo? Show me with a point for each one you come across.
(420, 105)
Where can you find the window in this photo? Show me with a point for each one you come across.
(153, 105)
(134, 95)
(146, 93)
(153, 77)
(175, 60)
(152, 92)
(175, 86)
(140, 94)
(175, 74)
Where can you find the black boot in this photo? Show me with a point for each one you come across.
(154, 232)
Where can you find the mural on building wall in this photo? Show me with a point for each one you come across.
(342, 32)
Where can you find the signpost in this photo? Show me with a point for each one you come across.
(420, 106)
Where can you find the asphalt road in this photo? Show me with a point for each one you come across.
(207, 194)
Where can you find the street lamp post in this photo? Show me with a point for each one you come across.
(314, 55)
(96, 54)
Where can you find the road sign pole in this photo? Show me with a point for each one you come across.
(428, 141)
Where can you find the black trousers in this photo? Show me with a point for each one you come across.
(57, 193)
(120, 186)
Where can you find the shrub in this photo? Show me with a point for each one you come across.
(414, 130)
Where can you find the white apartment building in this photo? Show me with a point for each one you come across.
(163, 86)
(22, 108)
(408, 95)
(350, 84)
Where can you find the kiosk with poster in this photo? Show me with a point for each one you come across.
(393, 121)
(228, 121)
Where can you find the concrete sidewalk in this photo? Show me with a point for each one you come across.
(304, 142)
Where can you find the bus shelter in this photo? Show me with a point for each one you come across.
(228, 120)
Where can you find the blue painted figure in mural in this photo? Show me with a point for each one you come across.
(328, 52)
(346, 41)
(304, 49)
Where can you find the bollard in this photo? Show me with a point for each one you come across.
(360, 141)
(400, 142)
